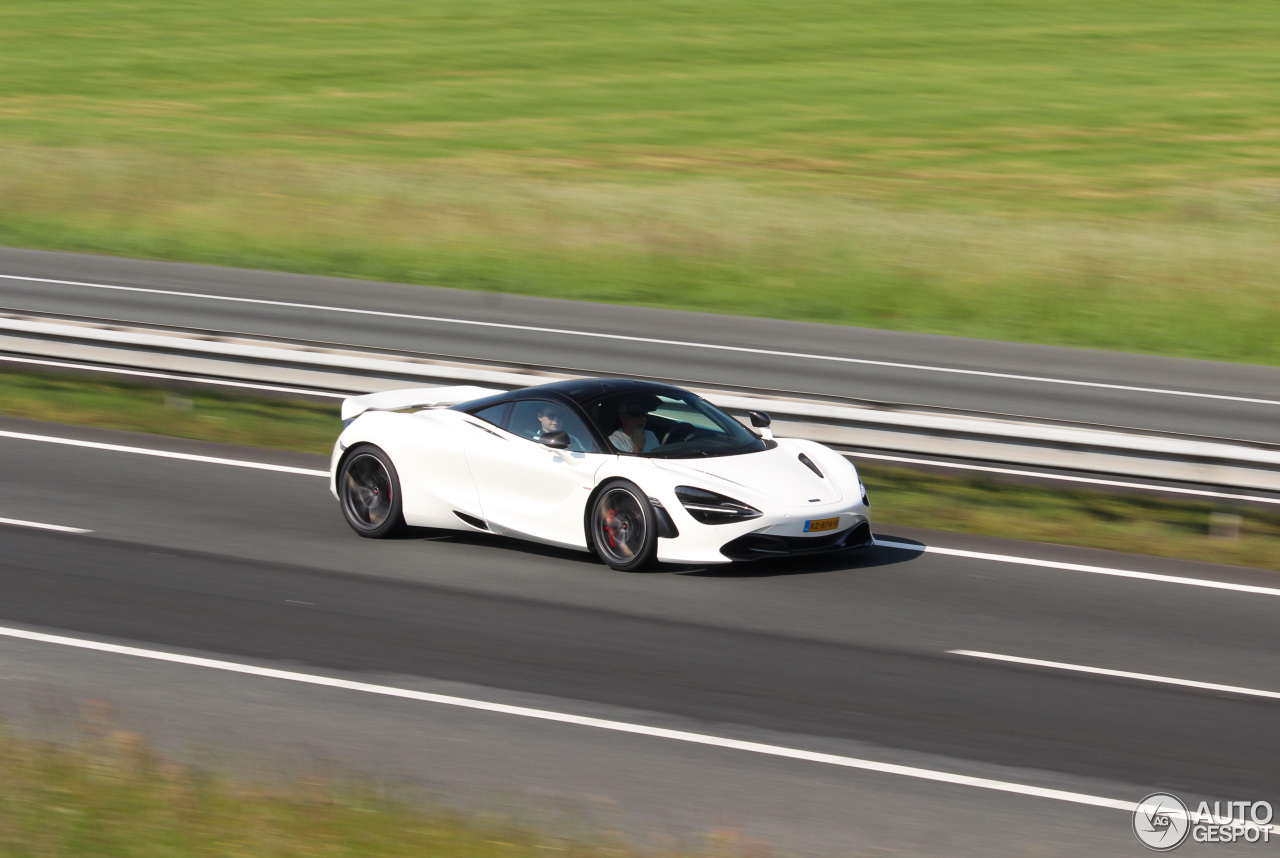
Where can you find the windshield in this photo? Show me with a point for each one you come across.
(670, 425)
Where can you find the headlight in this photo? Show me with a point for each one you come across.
(866, 501)
(711, 508)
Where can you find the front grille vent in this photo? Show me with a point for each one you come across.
(808, 463)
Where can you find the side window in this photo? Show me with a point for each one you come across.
(533, 418)
(495, 414)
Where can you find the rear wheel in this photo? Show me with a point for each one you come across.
(369, 490)
(624, 530)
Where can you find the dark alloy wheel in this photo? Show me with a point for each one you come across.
(369, 489)
(623, 527)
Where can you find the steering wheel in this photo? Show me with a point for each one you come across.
(679, 432)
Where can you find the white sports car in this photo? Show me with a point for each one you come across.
(634, 471)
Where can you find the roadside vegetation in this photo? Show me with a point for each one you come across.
(1145, 524)
(203, 414)
(1093, 174)
(1137, 523)
(110, 796)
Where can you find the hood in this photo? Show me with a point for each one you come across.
(778, 473)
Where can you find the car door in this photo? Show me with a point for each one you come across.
(528, 489)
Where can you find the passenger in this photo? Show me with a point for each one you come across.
(631, 436)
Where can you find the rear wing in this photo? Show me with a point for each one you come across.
(413, 397)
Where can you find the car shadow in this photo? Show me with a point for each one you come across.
(493, 540)
(818, 564)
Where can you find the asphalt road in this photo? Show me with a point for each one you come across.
(1148, 393)
(847, 656)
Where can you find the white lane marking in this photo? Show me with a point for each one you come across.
(40, 526)
(880, 457)
(652, 340)
(877, 456)
(168, 375)
(1080, 567)
(1121, 674)
(164, 454)
(931, 549)
(1070, 479)
(581, 721)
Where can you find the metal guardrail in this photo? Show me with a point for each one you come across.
(329, 368)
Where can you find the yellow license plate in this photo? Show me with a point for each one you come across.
(817, 525)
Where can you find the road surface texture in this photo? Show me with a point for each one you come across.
(851, 657)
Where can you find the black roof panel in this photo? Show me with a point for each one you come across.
(582, 390)
(576, 390)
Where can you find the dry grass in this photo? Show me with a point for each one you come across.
(110, 796)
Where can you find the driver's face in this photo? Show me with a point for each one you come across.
(550, 421)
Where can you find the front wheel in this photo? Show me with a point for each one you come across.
(623, 527)
(369, 490)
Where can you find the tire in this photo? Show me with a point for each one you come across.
(369, 492)
(622, 527)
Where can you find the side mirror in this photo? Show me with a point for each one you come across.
(555, 440)
(761, 421)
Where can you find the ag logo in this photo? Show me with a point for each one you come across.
(1161, 821)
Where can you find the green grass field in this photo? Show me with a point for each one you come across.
(1097, 173)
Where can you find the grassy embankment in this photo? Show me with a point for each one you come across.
(112, 798)
(1095, 173)
(969, 504)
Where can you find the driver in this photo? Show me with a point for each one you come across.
(551, 419)
(631, 436)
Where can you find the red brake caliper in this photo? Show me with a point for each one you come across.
(608, 528)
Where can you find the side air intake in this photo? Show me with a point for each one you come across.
(471, 520)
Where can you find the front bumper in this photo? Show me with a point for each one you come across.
(778, 533)
(757, 546)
